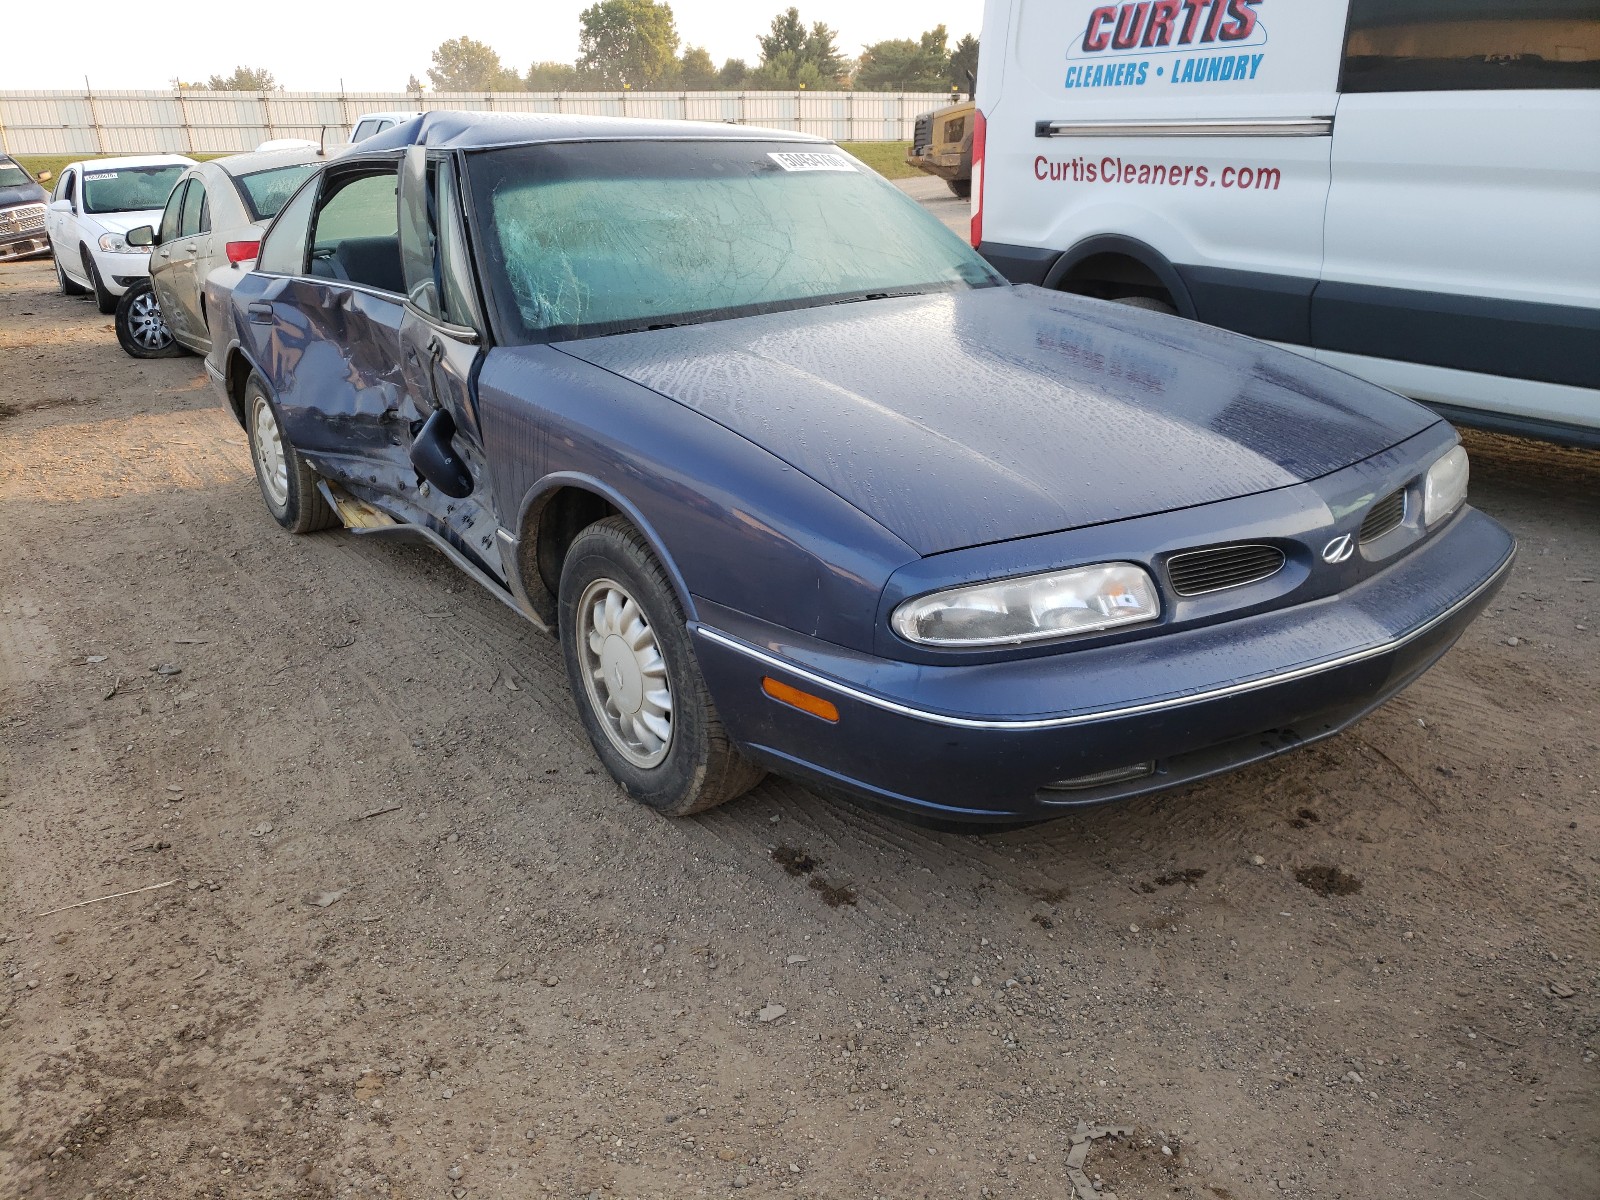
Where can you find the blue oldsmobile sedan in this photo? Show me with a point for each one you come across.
(803, 485)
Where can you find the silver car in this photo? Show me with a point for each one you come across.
(214, 219)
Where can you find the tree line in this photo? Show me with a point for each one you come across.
(634, 44)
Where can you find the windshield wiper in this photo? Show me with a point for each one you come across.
(873, 296)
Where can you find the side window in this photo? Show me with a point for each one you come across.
(440, 279)
(364, 130)
(1470, 45)
(283, 251)
(455, 265)
(194, 206)
(67, 189)
(382, 125)
(170, 215)
(355, 233)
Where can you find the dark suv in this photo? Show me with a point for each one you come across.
(22, 204)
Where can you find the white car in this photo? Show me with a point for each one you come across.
(213, 219)
(91, 210)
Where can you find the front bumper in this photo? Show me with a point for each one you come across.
(33, 245)
(1192, 704)
(119, 272)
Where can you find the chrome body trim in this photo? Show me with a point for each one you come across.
(1132, 710)
(467, 567)
(1194, 127)
(1283, 561)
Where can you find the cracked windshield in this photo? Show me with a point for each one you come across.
(603, 237)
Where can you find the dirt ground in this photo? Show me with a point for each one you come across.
(418, 945)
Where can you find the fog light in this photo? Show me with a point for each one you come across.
(1079, 783)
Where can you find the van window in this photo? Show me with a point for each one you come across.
(1471, 45)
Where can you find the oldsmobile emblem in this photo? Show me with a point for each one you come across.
(1340, 549)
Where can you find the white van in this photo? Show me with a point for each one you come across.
(1408, 189)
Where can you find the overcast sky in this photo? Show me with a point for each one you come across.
(374, 46)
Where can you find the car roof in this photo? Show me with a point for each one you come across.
(458, 130)
(264, 160)
(141, 160)
(399, 114)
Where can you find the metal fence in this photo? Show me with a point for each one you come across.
(199, 122)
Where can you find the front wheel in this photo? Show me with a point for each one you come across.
(68, 286)
(288, 485)
(141, 328)
(103, 299)
(633, 673)
(961, 187)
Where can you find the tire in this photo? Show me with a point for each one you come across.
(69, 287)
(288, 485)
(103, 299)
(620, 620)
(961, 187)
(141, 329)
(1149, 303)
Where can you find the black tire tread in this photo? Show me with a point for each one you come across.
(103, 299)
(171, 350)
(69, 287)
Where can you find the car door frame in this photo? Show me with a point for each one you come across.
(442, 357)
(63, 226)
(163, 273)
(186, 283)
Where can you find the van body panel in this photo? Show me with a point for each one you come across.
(1408, 191)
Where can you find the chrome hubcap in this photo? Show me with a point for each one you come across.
(271, 463)
(145, 323)
(625, 673)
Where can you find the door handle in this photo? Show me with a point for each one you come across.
(435, 357)
(260, 312)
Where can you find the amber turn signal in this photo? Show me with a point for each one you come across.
(804, 701)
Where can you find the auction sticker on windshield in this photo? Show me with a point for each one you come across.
(99, 176)
(797, 160)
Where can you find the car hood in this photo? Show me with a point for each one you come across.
(960, 419)
(121, 222)
(21, 193)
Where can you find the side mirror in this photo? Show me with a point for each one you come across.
(61, 206)
(46, 176)
(436, 459)
(145, 235)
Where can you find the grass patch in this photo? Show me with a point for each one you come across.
(886, 158)
(34, 163)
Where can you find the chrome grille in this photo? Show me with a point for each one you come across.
(24, 218)
(1385, 515)
(1197, 572)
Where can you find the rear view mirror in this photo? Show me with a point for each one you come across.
(145, 235)
(61, 206)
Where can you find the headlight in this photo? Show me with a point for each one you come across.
(1031, 608)
(115, 243)
(1445, 487)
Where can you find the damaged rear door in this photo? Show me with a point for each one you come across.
(325, 329)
